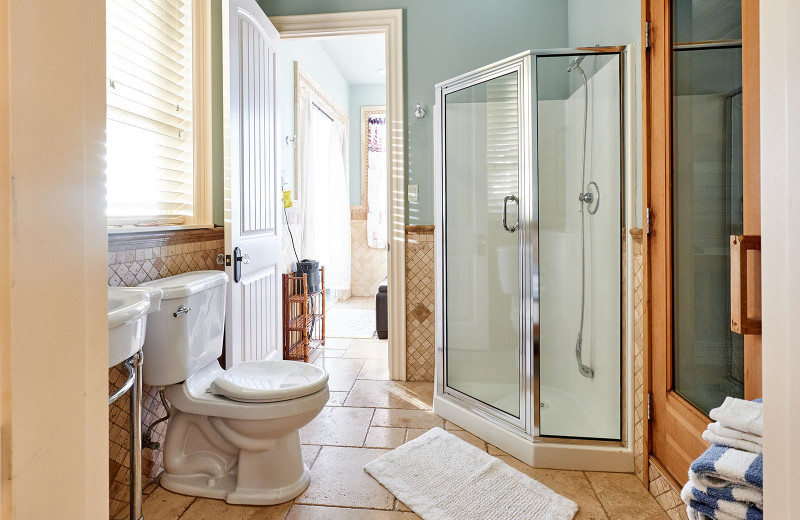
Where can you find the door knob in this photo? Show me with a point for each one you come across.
(238, 259)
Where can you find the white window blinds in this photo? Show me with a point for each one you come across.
(149, 112)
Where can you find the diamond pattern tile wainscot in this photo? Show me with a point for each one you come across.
(134, 258)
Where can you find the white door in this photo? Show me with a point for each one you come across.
(252, 182)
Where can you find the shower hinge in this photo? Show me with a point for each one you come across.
(647, 35)
(647, 220)
(649, 406)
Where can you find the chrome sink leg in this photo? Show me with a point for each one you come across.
(136, 437)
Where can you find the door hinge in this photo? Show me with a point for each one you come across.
(648, 219)
(649, 407)
(647, 35)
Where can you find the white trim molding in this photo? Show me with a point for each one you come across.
(203, 209)
(389, 23)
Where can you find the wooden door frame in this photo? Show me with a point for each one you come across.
(657, 246)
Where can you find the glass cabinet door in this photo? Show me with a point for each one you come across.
(708, 359)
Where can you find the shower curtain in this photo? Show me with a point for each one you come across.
(376, 182)
(325, 197)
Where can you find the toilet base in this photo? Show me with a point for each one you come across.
(224, 488)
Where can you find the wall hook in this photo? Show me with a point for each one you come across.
(419, 113)
(291, 140)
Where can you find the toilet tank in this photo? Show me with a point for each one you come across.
(187, 333)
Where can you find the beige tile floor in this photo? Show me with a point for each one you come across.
(366, 416)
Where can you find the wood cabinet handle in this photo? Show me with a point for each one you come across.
(741, 323)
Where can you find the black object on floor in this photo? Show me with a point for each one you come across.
(311, 269)
(382, 309)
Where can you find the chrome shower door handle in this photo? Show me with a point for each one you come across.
(505, 213)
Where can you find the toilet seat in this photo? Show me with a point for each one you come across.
(269, 381)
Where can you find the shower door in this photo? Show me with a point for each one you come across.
(530, 239)
(484, 220)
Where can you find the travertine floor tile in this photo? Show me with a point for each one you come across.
(388, 394)
(338, 426)
(165, 505)
(342, 373)
(413, 433)
(310, 452)
(422, 390)
(451, 426)
(470, 438)
(332, 353)
(368, 349)
(207, 509)
(376, 369)
(571, 484)
(406, 418)
(338, 479)
(301, 512)
(337, 344)
(380, 437)
(337, 399)
(624, 497)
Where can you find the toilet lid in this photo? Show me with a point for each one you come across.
(269, 381)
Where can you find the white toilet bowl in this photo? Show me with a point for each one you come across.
(241, 452)
(233, 434)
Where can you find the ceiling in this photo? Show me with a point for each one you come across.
(358, 58)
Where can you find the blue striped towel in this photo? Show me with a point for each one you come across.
(726, 484)
(721, 466)
(713, 505)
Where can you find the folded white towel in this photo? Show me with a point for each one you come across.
(732, 442)
(724, 431)
(738, 414)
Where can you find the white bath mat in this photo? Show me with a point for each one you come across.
(350, 323)
(441, 477)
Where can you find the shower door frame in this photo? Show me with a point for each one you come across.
(521, 64)
(554, 452)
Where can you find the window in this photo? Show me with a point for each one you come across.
(156, 72)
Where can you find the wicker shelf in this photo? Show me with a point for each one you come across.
(303, 317)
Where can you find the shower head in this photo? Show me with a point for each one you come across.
(575, 63)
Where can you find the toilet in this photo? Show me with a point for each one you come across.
(233, 434)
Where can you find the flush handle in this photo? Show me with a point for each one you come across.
(183, 309)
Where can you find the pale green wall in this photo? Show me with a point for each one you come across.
(316, 62)
(445, 38)
(360, 95)
(612, 22)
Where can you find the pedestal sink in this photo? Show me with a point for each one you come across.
(128, 308)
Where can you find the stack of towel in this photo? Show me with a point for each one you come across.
(726, 482)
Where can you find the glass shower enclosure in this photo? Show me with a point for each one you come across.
(530, 235)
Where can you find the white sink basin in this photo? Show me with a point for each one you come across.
(128, 308)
